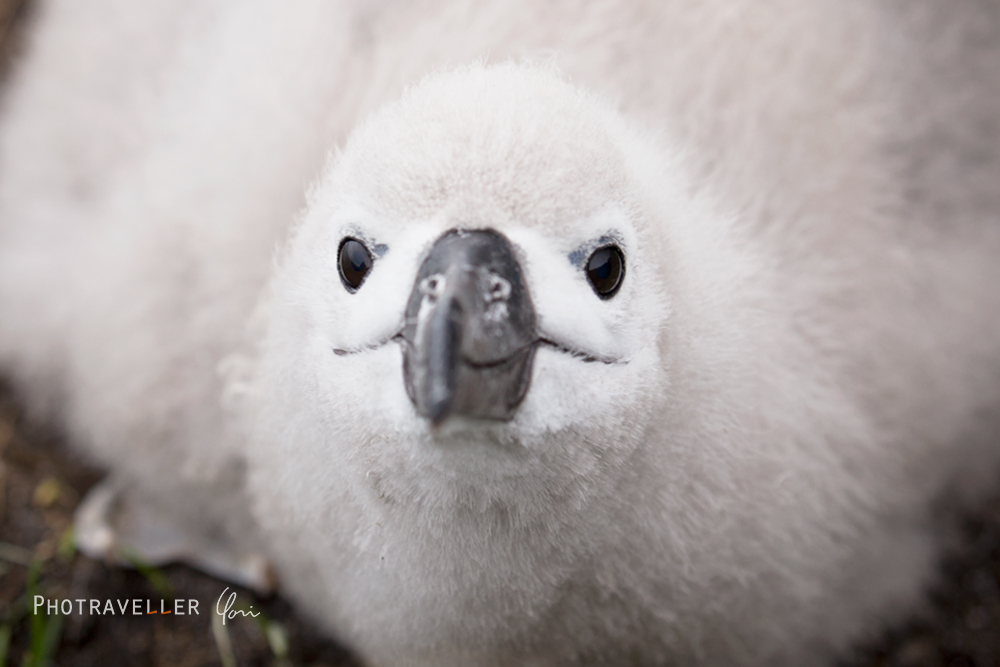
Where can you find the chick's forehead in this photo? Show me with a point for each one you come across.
(487, 147)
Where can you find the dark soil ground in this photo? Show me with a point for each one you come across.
(41, 485)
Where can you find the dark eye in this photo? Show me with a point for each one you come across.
(355, 263)
(606, 270)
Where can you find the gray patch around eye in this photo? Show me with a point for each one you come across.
(579, 256)
(376, 249)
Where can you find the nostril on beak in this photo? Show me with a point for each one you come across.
(432, 286)
(498, 289)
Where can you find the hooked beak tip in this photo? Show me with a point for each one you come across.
(438, 413)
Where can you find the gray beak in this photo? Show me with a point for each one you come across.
(470, 331)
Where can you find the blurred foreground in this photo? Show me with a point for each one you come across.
(40, 486)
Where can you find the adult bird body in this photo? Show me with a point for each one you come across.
(608, 333)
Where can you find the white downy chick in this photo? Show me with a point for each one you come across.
(686, 480)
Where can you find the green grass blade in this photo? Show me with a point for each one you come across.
(5, 633)
(154, 575)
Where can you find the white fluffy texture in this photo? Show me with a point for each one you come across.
(803, 356)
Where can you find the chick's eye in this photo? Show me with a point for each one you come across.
(606, 270)
(355, 263)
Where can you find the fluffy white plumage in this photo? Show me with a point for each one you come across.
(801, 361)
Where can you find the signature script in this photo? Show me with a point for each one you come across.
(228, 612)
